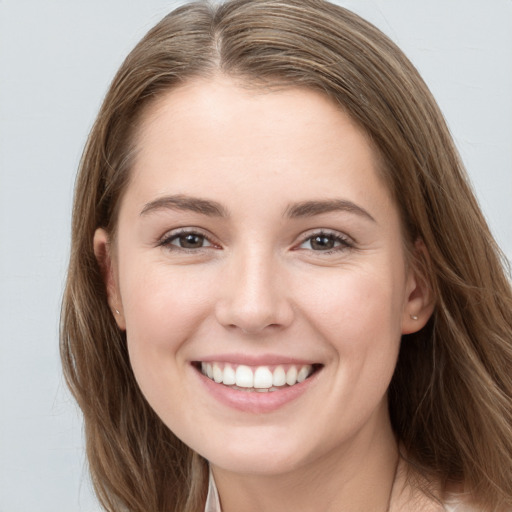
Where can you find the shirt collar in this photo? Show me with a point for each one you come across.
(403, 498)
(212, 500)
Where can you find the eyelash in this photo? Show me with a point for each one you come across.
(343, 241)
(167, 240)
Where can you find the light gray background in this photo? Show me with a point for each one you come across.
(56, 60)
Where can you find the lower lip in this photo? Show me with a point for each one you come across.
(253, 401)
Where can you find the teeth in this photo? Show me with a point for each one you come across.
(260, 379)
(291, 376)
(303, 373)
(218, 374)
(279, 377)
(229, 376)
(244, 377)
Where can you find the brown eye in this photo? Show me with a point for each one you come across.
(191, 241)
(322, 242)
(325, 242)
(186, 240)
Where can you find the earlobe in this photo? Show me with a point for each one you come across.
(104, 257)
(419, 300)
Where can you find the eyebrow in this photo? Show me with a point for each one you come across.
(215, 209)
(187, 203)
(312, 208)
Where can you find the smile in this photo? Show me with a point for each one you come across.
(257, 378)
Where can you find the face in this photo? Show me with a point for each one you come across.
(259, 272)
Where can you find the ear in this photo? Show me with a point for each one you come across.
(103, 253)
(419, 299)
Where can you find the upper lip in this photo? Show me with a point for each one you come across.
(262, 360)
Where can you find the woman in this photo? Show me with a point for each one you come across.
(281, 278)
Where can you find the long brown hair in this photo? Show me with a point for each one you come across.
(451, 395)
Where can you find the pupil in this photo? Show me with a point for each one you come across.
(191, 241)
(322, 242)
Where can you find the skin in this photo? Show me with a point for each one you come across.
(259, 287)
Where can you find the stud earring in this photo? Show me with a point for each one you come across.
(117, 311)
(414, 317)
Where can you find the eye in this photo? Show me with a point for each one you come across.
(188, 240)
(325, 242)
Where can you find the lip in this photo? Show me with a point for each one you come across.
(262, 360)
(255, 402)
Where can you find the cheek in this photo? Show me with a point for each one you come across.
(163, 308)
(165, 302)
(358, 316)
(354, 306)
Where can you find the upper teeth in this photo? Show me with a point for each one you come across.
(260, 377)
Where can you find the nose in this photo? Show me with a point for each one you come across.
(253, 296)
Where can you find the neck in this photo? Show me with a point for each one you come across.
(355, 477)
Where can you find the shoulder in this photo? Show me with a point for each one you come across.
(459, 504)
(412, 491)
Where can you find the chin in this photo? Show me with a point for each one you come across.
(267, 464)
(258, 455)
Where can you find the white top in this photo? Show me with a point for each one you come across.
(458, 506)
(212, 500)
(455, 504)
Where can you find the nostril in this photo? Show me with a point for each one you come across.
(251, 299)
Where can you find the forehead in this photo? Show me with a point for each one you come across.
(218, 104)
(221, 98)
(210, 131)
